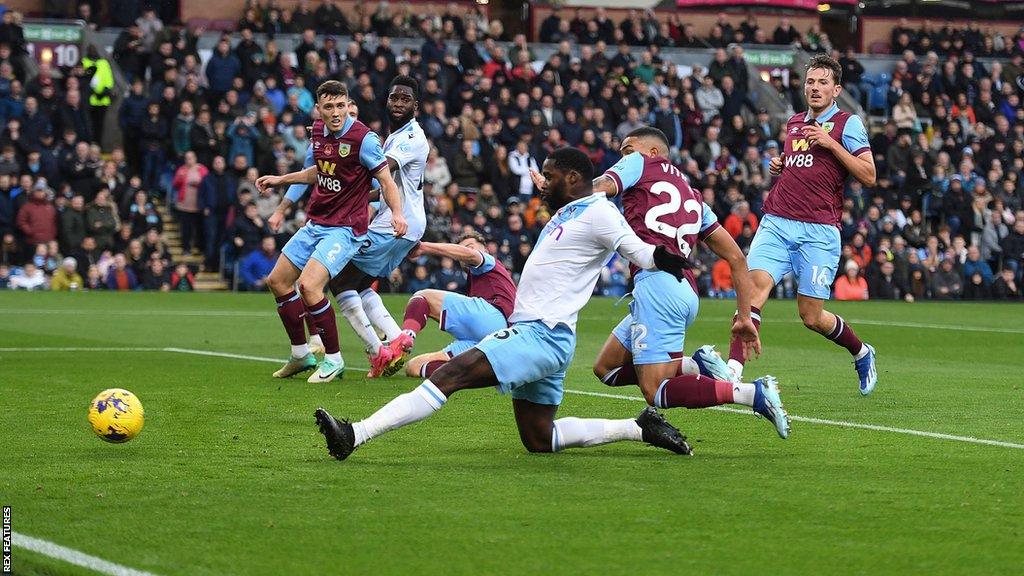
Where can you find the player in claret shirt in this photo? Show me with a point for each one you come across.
(343, 157)
(485, 309)
(646, 348)
(800, 229)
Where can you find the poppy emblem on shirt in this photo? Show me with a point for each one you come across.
(344, 149)
(328, 149)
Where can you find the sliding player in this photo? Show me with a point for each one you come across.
(530, 358)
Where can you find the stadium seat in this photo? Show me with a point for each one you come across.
(877, 99)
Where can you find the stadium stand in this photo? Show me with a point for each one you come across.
(143, 177)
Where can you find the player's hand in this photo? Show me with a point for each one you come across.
(540, 182)
(671, 263)
(746, 332)
(775, 166)
(399, 224)
(816, 136)
(275, 220)
(264, 183)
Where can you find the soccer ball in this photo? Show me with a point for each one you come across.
(116, 415)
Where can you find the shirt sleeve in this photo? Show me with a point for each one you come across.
(409, 150)
(371, 153)
(708, 222)
(486, 266)
(627, 171)
(855, 136)
(297, 191)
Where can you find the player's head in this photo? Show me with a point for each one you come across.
(332, 103)
(569, 173)
(473, 239)
(353, 109)
(822, 83)
(403, 100)
(648, 141)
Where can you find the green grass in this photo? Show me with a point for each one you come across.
(231, 477)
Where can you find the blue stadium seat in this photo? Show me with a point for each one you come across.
(877, 98)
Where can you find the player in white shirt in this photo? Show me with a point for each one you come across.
(529, 358)
(406, 150)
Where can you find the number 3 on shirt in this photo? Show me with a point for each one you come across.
(691, 206)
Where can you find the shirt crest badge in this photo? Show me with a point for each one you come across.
(344, 149)
(827, 126)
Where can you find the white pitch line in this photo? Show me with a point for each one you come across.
(80, 349)
(809, 420)
(239, 356)
(75, 557)
(840, 423)
(259, 314)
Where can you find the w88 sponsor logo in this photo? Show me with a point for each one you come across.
(328, 183)
(800, 160)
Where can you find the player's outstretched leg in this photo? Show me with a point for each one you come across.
(425, 365)
(423, 304)
(834, 328)
(469, 370)
(699, 391)
(540, 432)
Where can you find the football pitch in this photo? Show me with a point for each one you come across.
(230, 476)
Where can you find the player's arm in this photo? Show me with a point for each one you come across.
(622, 176)
(371, 155)
(722, 244)
(853, 150)
(393, 198)
(468, 256)
(612, 231)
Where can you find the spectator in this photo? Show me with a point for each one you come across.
(153, 136)
(249, 230)
(182, 279)
(739, 217)
(884, 285)
(256, 266)
(29, 277)
(709, 98)
(851, 286)
(72, 224)
(186, 183)
(721, 280)
(520, 162)
(67, 277)
(37, 218)
(120, 277)
(468, 167)
(1005, 287)
(102, 220)
(156, 277)
(975, 265)
(946, 283)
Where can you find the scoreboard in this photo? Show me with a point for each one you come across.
(59, 44)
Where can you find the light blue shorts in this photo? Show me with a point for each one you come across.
(807, 249)
(529, 360)
(332, 246)
(661, 310)
(381, 253)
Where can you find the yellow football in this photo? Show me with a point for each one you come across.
(116, 415)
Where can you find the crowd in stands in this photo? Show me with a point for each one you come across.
(944, 221)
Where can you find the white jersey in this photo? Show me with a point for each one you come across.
(408, 147)
(566, 262)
